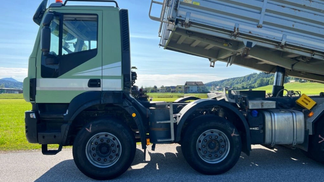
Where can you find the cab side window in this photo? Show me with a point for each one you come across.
(80, 33)
(74, 40)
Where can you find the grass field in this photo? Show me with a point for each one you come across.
(11, 96)
(308, 88)
(12, 125)
(170, 97)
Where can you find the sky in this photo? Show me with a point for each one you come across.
(155, 65)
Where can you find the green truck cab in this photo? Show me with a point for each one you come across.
(79, 70)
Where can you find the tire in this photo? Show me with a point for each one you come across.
(104, 149)
(316, 143)
(211, 145)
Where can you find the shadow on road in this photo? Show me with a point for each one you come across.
(262, 165)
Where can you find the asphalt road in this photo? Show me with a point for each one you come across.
(165, 164)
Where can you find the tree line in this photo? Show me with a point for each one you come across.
(248, 82)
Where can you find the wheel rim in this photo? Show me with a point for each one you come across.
(103, 149)
(213, 146)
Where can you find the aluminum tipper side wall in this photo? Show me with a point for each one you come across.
(255, 34)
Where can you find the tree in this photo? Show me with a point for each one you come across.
(261, 82)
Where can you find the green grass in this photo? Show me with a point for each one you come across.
(12, 126)
(170, 97)
(11, 96)
(308, 88)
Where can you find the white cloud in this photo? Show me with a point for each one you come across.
(13, 57)
(148, 80)
(16, 73)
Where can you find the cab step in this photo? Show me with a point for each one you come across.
(45, 150)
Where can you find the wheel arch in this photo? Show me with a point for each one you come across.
(189, 113)
(184, 99)
(100, 102)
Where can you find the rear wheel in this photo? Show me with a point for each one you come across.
(316, 143)
(104, 149)
(211, 145)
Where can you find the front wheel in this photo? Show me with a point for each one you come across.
(104, 149)
(211, 145)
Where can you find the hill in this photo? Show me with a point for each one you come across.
(10, 83)
(246, 82)
(9, 79)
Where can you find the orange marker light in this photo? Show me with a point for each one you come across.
(59, 1)
(311, 114)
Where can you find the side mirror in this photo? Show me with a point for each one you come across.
(46, 34)
(40, 12)
(45, 40)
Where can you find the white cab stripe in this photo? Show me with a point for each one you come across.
(77, 84)
(64, 84)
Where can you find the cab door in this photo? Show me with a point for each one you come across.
(73, 64)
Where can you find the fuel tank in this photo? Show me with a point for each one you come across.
(284, 127)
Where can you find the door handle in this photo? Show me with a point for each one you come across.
(94, 83)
